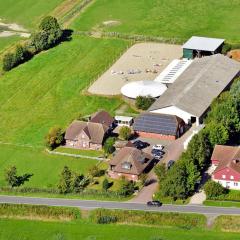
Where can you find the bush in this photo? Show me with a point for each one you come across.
(49, 34)
(144, 102)
(39, 212)
(149, 218)
(125, 133)
(213, 189)
(107, 219)
(54, 137)
(8, 61)
(127, 188)
(95, 171)
(108, 146)
(105, 184)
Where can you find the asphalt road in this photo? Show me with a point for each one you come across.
(89, 204)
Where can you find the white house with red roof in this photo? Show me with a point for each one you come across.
(226, 159)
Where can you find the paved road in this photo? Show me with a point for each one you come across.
(88, 204)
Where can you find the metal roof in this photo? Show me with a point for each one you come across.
(199, 84)
(156, 123)
(203, 43)
(123, 118)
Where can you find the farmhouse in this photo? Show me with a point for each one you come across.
(193, 91)
(130, 163)
(226, 159)
(89, 135)
(160, 126)
(202, 46)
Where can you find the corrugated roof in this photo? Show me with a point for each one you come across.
(157, 123)
(199, 84)
(203, 43)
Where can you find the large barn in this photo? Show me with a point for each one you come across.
(190, 96)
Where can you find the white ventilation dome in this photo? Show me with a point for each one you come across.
(143, 88)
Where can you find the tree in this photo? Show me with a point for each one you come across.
(54, 137)
(125, 133)
(108, 146)
(13, 179)
(80, 182)
(49, 34)
(105, 184)
(144, 102)
(8, 61)
(65, 183)
(95, 171)
(217, 134)
(213, 189)
(11, 176)
(160, 171)
(126, 187)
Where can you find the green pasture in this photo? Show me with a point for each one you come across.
(36, 230)
(165, 18)
(26, 12)
(44, 167)
(50, 89)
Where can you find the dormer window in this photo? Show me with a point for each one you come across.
(126, 165)
(231, 177)
(223, 176)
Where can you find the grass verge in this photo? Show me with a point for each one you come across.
(227, 223)
(216, 203)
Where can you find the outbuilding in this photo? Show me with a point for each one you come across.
(202, 46)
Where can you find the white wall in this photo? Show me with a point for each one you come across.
(230, 185)
(172, 110)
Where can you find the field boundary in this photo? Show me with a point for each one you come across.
(76, 155)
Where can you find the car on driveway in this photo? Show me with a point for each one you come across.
(158, 147)
(140, 144)
(157, 153)
(154, 204)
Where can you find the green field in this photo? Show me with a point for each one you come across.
(165, 18)
(36, 230)
(26, 12)
(48, 90)
(44, 167)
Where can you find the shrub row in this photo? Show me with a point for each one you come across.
(86, 193)
(148, 218)
(228, 223)
(39, 212)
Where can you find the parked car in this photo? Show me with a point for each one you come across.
(140, 144)
(154, 204)
(158, 147)
(157, 153)
(170, 164)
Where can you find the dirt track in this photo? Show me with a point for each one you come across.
(140, 57)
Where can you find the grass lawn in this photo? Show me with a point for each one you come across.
(48, 90)
(82, 229)
(221, 203)
(44, 167)
(91, 153)
(166, 18)
(26, 12)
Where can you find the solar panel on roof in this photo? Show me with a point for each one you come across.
(161, 124)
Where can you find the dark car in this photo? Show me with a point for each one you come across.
(140, 144)
(157, 153)
(170, 163)
(154, 204)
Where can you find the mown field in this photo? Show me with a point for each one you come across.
(26, 12)
(44, 167)
(36, 230)
(48, 90)
(166, 18)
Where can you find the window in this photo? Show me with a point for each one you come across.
(223, 176)
(126, 165)
(235, 184)
(231, 177)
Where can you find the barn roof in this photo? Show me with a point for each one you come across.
(203, 43)
(199, 84)
(157, 123)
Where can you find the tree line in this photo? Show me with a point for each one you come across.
(48, 35)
